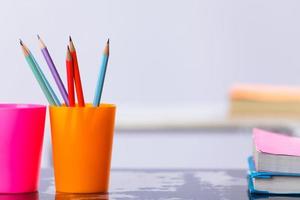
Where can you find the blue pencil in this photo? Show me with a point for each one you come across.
(101, 77)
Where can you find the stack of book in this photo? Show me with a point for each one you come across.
(274, 167)
(256, 100)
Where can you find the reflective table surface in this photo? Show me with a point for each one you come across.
(155, 184)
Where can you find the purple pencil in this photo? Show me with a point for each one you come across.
(54, 72)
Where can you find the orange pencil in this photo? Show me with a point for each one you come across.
(70, 76)
(77, 79)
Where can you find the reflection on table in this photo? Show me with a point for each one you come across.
(157, 184)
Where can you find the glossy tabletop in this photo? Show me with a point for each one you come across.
(154, 184)
(157, 184)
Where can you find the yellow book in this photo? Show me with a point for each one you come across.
(257, 100)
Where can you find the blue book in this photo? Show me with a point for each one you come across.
(253, 196)
(272, 182)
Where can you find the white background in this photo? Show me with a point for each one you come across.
(163, 52)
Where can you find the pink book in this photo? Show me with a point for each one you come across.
(275, 152)
(273, 143)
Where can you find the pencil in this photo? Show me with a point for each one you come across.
(101, 77)
(53, 70)
(36, 73)
(56, 100)
(70, 77)
(77, 78)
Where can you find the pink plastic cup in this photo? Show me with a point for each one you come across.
(21, 141)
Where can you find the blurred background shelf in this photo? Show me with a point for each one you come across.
(209, 117)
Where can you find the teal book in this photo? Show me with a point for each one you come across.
(269, 183)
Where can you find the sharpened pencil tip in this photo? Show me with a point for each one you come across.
(21, 42)
(38, 36)
(107, 41)
(69, 57)
(42, 44)
(71, 45)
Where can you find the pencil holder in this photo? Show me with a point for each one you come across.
(21, 140)
(82, 140)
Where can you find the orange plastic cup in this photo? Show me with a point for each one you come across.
(82, 140)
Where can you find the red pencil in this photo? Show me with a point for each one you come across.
(70, 76)
(78, 86)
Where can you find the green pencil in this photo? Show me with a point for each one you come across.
(55, 98)
(37, 75)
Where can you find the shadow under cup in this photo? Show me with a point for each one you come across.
(82, 140)
(21, 140)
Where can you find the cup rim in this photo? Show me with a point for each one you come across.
(87, 106)
(20, 106)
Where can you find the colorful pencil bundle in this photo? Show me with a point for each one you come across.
(73, 75)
